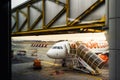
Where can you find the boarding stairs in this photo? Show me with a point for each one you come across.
(86, 61)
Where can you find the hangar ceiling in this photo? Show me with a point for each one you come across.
(37, 17)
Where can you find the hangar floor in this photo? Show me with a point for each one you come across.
(22, 69)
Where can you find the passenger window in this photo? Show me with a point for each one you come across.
(57, 47)
(54, 47)
(61, 47)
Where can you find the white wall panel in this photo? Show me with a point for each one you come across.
(38, 5)
(21, 19)
(12, 19)
(77, 7)
(96, 14)
(34, 14)
(61, 21)
(39, 25)
(51, 10)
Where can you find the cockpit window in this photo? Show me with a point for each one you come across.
(57, 47)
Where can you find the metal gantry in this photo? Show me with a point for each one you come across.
(37, 17)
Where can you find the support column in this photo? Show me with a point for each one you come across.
(114, 38)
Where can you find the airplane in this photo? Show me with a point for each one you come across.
(72, 54)
(78, 56)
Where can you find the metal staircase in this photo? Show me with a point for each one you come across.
(86, 61)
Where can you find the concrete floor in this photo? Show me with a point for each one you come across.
(22, 69)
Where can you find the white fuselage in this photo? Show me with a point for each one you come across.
(59, 50)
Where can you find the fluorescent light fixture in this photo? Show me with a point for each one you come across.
(70, 37)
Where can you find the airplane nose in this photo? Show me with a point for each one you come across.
(50, 54)
(54, 54)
